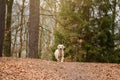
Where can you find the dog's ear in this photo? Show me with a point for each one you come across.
(63, 47)
(58, 46)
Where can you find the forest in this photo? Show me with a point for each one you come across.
(89, 29)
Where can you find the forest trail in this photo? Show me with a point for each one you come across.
(36, 69)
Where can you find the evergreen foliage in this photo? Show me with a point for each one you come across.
(93, 22)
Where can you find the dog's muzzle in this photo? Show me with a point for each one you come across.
(60, 48)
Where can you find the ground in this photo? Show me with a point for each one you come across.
(36, 69)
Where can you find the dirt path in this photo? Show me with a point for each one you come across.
(36, 69)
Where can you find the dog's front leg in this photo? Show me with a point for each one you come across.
(58, 59)
(62, 59)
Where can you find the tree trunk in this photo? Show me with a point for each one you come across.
(2, 24)
(21, 30)
(34, 29)
(27, 39)
(113, 16)
(113, 19)
(7, 43)
(14, 48)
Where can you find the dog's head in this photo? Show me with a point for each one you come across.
(60, 46)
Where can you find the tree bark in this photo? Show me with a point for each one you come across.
(7, 43)
(2, 24)
(34, 29)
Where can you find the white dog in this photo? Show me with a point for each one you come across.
(59, 53)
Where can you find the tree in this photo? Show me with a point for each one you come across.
(21, 30)
(2, 24)
(102, 47)
(33, 28)
(7, 41)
